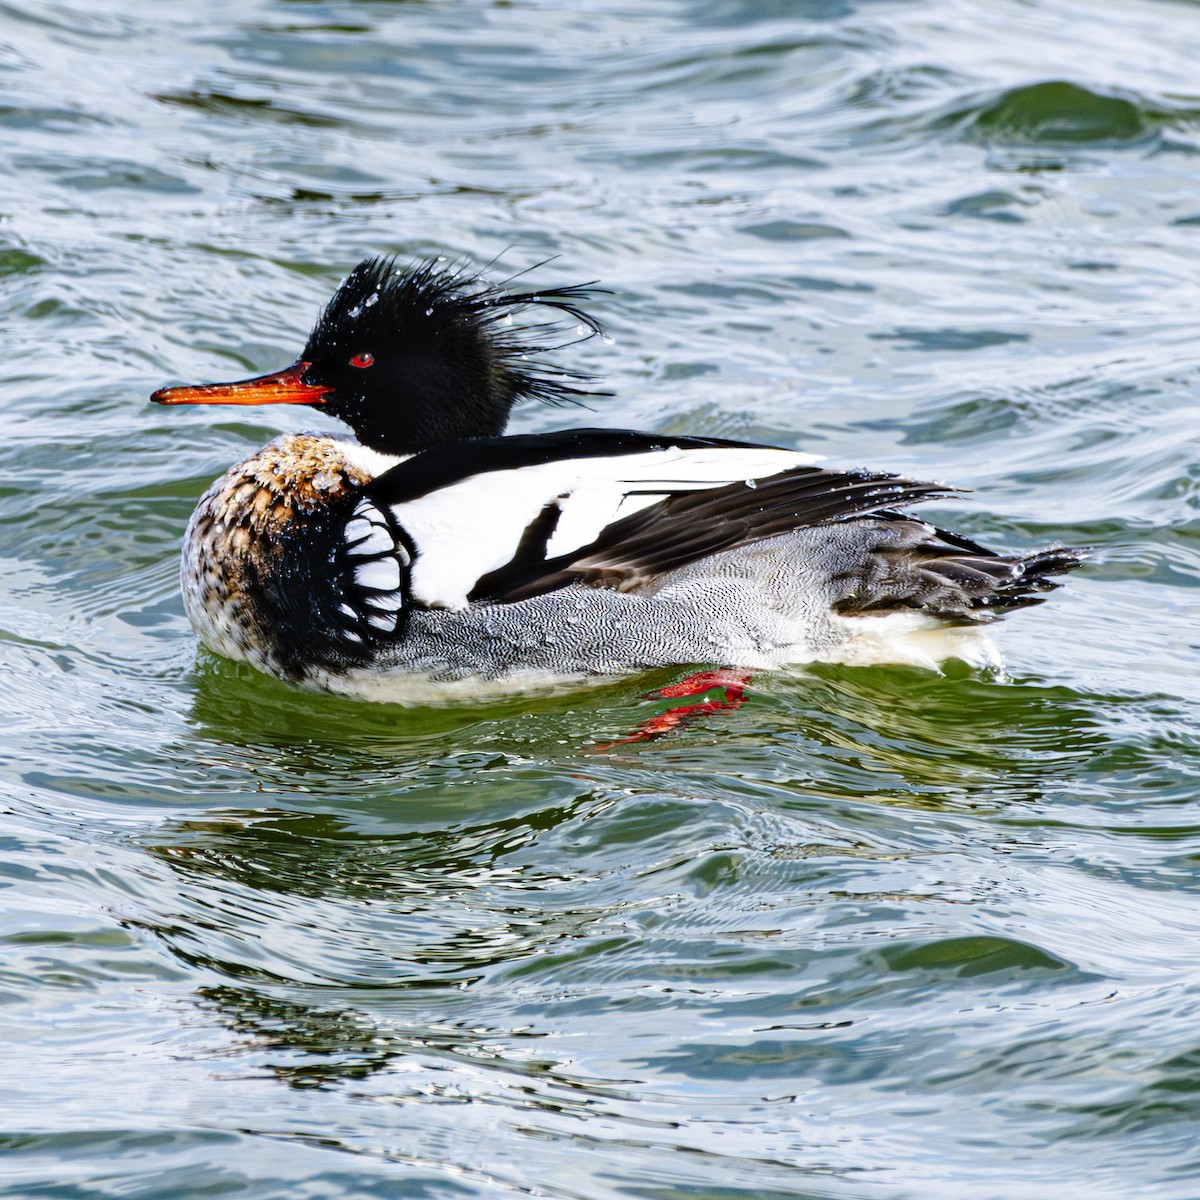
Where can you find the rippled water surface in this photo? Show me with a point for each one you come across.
(877, 933)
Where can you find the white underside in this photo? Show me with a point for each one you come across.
(910, 639)
(411, 689)
(895, 639)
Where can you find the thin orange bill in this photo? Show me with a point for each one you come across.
(281, 387)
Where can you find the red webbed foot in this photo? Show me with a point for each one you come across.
(728, 681)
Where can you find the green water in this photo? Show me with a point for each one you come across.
(875, 934)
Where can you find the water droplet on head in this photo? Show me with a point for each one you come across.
(373, 298)
(429, 311)
(752, 483)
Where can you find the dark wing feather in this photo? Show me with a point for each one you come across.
(693, 525)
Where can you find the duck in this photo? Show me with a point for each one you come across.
(428, 553)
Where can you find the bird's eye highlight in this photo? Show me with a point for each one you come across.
(365, 359)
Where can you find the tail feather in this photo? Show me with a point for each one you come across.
(949, 576)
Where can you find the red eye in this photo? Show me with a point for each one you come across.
(365, 359)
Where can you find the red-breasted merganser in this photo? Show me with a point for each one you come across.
(431, 549)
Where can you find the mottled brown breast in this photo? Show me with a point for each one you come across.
(235, 541)
(298, 472)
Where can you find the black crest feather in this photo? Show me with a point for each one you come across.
(450, 352)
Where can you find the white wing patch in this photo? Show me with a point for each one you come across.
(468, 528)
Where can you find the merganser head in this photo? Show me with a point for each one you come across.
(412, 358)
